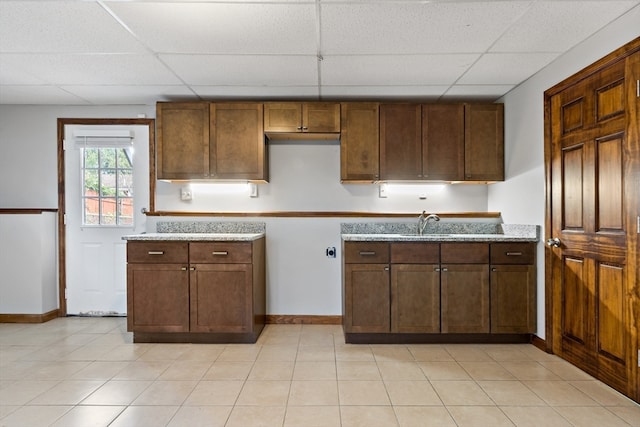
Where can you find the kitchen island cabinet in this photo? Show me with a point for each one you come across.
(196, 291)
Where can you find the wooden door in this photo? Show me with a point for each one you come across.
(221, 298)
(237, 142)
(415, 298)
(283, 117)
(484, 142)
(321, 117)
(359, 142)
(443, 142)
(465, 298)
(366, 298)
(400, 142)
(593, 175)
(182, 140)
(157, 298)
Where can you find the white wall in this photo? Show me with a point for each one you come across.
(521, 198)
(28, 262)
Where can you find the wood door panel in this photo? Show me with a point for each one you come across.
(221, 298)
(415, 303)
(609, 176)
(158, 298)
(367, 300)
(182, 140)
(572, 191)
(443, 142)
(611, 315)
(575, 300)
(400, 141)
(359, 141)
(465, 298)
(610, 101)
(283, 117)
(573, 115)
(237, 141)
(321, 117)
(513, 299)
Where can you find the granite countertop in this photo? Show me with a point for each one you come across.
(237, 237)
(204, 231)
(440, 232)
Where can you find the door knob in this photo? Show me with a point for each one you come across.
(553, 242)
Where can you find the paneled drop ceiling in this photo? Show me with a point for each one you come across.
(139, 52)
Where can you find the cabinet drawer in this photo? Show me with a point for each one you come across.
(366, 252)
(220, 253)
(157, 252)
(415, 253)
(464, 253)
(512, 253)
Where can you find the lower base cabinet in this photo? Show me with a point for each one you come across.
(196, 291)
(438, 292)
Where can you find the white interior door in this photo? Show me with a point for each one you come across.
(106, 188)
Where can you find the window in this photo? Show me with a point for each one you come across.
(107, 186)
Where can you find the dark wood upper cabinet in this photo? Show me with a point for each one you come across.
(359, 142)
(237, 142)
(428, 142)
(286, 120)
(443, 142)
(182, 140)
(400, 142)
(484, 142)
(210, 141)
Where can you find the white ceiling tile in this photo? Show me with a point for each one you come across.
(222, 27)
(505, 68)
(127, 69)
(423, 93)
(476, 92)
(556, 26)
(386, 70)
(257, 92)
(62, 26)
(35, 95)
(420, 27)
(244, 70)
(16, 74)
(136, 94)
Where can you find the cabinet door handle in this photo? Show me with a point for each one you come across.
(221, 253)
(386, 269)
(192, 268)
(367, 253)
(514, 253)
(304, 128)
(437, 269)
(445, 269)
(156, 252)
(183, 268)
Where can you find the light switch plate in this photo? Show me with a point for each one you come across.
(186, 194)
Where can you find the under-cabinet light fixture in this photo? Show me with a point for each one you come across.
(420, 190)
(225, 188)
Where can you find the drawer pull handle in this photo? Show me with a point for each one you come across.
(514, 253)
(367, 253)
(222, 253)
(156, 252)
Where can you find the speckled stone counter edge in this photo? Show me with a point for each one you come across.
(210, 227)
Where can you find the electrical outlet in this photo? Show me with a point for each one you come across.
(186, 194)
(331, 252)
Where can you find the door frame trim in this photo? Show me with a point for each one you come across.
(62, 235)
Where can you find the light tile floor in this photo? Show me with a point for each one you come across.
(87, 372)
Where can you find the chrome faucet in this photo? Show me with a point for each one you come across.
(424, 219)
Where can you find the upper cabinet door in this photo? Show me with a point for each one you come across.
(283, 117)
(237, 142)
(182, 140)
(400, 142)
(359, 144)
(321, 117)
(443, 142)
(484, 142)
